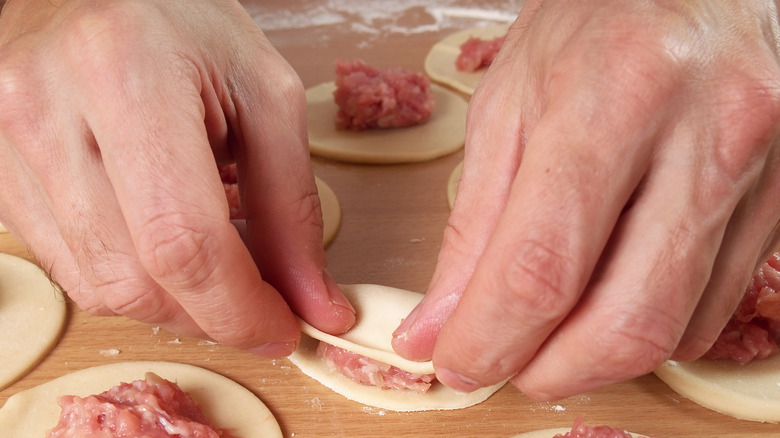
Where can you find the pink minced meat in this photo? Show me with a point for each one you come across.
(370, 372)
(477, 53)
(753, 332)
(581, 430)
(150, 408)
(369, 98)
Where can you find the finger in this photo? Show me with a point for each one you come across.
(484, 187)
(750, 238)
(579, 169)
(158, 159)
(85, 263)
(636, 309)
(660, 261)
(279, 194)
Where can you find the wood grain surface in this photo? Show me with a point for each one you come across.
(393, 218)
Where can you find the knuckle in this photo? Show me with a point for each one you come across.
(17, 92)
(749, 120)
(636, 343)
(124, 297)
(539, 280)
(175, 251)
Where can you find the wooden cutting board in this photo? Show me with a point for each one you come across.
(393, 218)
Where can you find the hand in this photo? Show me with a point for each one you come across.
(620, 185)
(114, 117)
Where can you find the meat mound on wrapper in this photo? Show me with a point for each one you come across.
(582, 430)
(149, 408)
(477, 53)
(370, 98)
(367, 371)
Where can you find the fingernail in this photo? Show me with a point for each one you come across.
(406, 324)
(456, 381)
(274, 350)
(336, 297)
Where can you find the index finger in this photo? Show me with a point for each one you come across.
(279, 193)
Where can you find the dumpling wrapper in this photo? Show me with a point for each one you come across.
(443, 134)
(227, 405)
(746, 392)
(32, 317)
(331, 211)
(380, 310)
(440, 60)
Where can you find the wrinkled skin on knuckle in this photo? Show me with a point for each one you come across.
(176, 250)
(635, 342)
(539, 281)
(128, 297)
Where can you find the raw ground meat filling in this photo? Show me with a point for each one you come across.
(581, 430)
(754, 330)
(151, 408)
(369, 98)
(367, 371)
(477, 53)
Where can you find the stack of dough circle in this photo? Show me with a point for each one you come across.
(227, 405)
(380, 309)
(32, 317)
(443, 134)
(440, 61)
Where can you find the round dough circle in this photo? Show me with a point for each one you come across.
(331, 211)
(380, 310)
(32, 316)
(227, 404)
(452, 184)
(443, 134)
(747, 392)
(440, 61)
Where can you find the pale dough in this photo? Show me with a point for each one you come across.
(380, 310)
(3, 229)
(32, 316)
(331, 211)
(443, 134)
(440, 61)
(227, 404)
(747, 392)
(452, 184)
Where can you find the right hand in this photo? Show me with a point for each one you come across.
(114, 115)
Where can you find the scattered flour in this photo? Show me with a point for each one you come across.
(372, 17)
(372, 411)
(111, 352)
